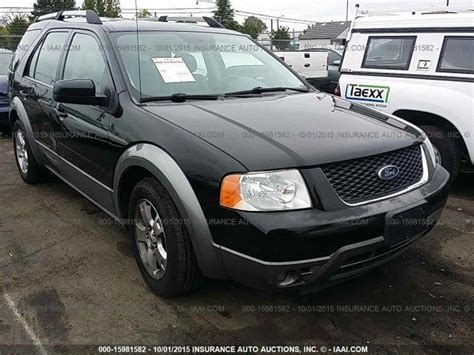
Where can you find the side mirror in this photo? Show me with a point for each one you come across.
(336, 62)
(77, 91)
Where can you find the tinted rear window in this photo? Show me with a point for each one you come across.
(389, 52)
(46, 64)
(457, 55)
(24, 45)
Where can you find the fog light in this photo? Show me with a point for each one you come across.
(288, 278)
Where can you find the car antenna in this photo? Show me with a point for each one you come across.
(138, 53)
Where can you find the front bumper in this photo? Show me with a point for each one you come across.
(359, 239)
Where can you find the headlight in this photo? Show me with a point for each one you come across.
(265, 191)
(431, 150)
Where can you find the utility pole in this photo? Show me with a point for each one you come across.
(447, 3)
(347, 10)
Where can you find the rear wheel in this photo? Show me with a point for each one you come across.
(28, 167)
(447, 150)
(162, 246)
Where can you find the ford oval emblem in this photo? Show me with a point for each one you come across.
(388, 172)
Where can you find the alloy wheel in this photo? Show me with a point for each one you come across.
(150, 239)
(21, 151)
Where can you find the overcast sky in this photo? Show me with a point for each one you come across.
(314, 10)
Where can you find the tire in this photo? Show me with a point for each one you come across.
(29, 169)
(181, 273)
(448, 148)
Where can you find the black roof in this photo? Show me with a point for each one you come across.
(326, 30)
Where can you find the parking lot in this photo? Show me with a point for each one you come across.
(69, 278)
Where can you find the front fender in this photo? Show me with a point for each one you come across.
(168, 172)
(16, 107)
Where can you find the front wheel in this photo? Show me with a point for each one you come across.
(162, 246)
(29, 169)
(448, 153)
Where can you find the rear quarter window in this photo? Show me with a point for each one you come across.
(44, 63)
(389, 52)
(457, 55)
(24, 45)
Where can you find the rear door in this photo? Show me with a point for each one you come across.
(36, 89)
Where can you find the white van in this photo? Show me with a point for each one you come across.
(419, 67)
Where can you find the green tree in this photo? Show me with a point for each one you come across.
(43, 7)
(104, 8)
(15, 24)
(225, 15)
(4, 38)
(12, 29)
(144, 13)
(253, 26)
(112, 8)
(100, 7)
(88, 5)
(281, 38)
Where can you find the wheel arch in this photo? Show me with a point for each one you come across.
(422, 118)
(143, 160)
(18, 112)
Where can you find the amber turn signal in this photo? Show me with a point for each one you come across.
(230, 191)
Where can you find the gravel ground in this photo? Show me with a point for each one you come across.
(68, 278)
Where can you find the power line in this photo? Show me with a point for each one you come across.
(176, 10)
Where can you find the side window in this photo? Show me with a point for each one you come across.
(32, 66)
(85, 61)
(333, 57)
(23, 46)
(44, 63)
(457, 55)
(389, 52)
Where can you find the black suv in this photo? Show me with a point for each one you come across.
(218, 158)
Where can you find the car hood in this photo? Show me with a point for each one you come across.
(294, 130)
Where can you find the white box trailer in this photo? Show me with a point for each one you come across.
(419, 67)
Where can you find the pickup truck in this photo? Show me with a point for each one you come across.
(313, 66)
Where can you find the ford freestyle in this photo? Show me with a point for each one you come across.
(217, 158)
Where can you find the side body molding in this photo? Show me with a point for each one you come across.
(167, 171)
(17, 106)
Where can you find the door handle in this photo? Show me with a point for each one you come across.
(59, 111)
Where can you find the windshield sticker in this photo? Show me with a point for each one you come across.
(367, 93)
(173, 70)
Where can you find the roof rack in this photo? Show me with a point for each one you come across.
(90, 16)
(210, 21)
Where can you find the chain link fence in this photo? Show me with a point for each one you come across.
(9, 42)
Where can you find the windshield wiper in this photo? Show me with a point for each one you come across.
(260, 90)
(180, 97)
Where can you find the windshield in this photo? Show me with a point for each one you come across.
(5, 62)
(195, 63)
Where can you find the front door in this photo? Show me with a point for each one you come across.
(83, 129)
